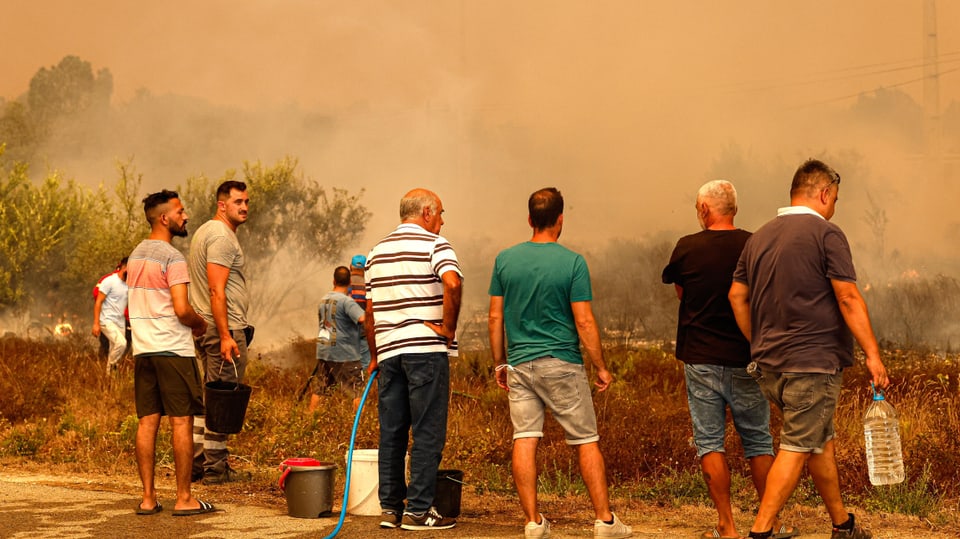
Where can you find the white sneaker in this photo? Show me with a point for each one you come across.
(537, 531)
(617, 530)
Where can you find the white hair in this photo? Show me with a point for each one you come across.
(720, 195)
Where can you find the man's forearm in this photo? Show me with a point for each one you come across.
(590, 338)
(218, 307)
(452, 293)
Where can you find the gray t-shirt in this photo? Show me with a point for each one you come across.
(215, 243)
(339, 337)
(796, 324)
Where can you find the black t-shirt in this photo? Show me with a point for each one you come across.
(703, 264)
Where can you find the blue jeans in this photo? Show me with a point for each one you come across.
(710, 389)
(414, 390)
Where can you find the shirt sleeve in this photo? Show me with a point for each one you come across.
(740, 273)
(354, 311)
(221, 251)
(496, 288)
(671, 273)
(580, 286)
(177, 270)
(444, 259)
(839, 260)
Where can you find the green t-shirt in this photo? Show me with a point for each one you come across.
(538, 282)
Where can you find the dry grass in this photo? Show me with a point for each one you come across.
(59, 409)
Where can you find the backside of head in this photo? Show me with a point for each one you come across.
(154, 205)
(720, 196)
(812, 176)
(545, 207)
(413, 203)
(341, 276)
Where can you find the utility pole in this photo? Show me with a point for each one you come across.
(931, 82)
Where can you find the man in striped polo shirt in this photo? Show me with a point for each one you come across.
(413, 301)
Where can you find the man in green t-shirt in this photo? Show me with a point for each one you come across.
(540, 300)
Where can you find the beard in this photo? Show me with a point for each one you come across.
(178, 231)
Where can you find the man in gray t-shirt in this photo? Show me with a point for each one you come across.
(338, 342)
(218, 292)
(795, 297)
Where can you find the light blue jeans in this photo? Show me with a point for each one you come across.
(710, 390)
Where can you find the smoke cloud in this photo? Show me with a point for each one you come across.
(627, 107)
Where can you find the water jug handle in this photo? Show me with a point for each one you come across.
(283, 476)
(877, 395)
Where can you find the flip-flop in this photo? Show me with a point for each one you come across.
(715, 534)
(785, 532)
(204, 508)
(152, 511)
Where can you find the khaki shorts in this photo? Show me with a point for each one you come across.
(167, 385)
(557, 385)
(808, 402)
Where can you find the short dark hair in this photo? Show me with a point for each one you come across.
(223, 191)
(546, 206)
(811, 176)
(341, 276)
(154, 200)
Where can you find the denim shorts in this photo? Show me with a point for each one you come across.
(557, 385)
(808, 402)
(710, 390)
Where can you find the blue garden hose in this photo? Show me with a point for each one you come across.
(353, 437)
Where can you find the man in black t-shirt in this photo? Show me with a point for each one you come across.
(715, 352)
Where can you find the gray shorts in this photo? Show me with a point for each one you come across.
(808, 402)
(557, 385)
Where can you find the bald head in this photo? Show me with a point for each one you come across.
(413, 203)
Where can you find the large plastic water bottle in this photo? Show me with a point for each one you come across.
(882, 436)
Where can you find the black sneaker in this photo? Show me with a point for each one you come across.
(229, 475)
(854, 532)
(428, 520)
(390, 518)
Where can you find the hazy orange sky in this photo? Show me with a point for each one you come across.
(594, 97)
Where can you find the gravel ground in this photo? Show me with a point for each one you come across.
(34, 504)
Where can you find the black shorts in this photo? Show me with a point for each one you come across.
(167, 385)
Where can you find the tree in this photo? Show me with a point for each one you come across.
(295, 228)
(37, 220)
(17, 132)
(68, 89)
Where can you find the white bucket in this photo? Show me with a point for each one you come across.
(362, 498)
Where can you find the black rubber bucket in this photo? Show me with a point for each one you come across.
(226, 404)
(449, 491)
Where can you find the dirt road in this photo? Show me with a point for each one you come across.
(34, 505)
